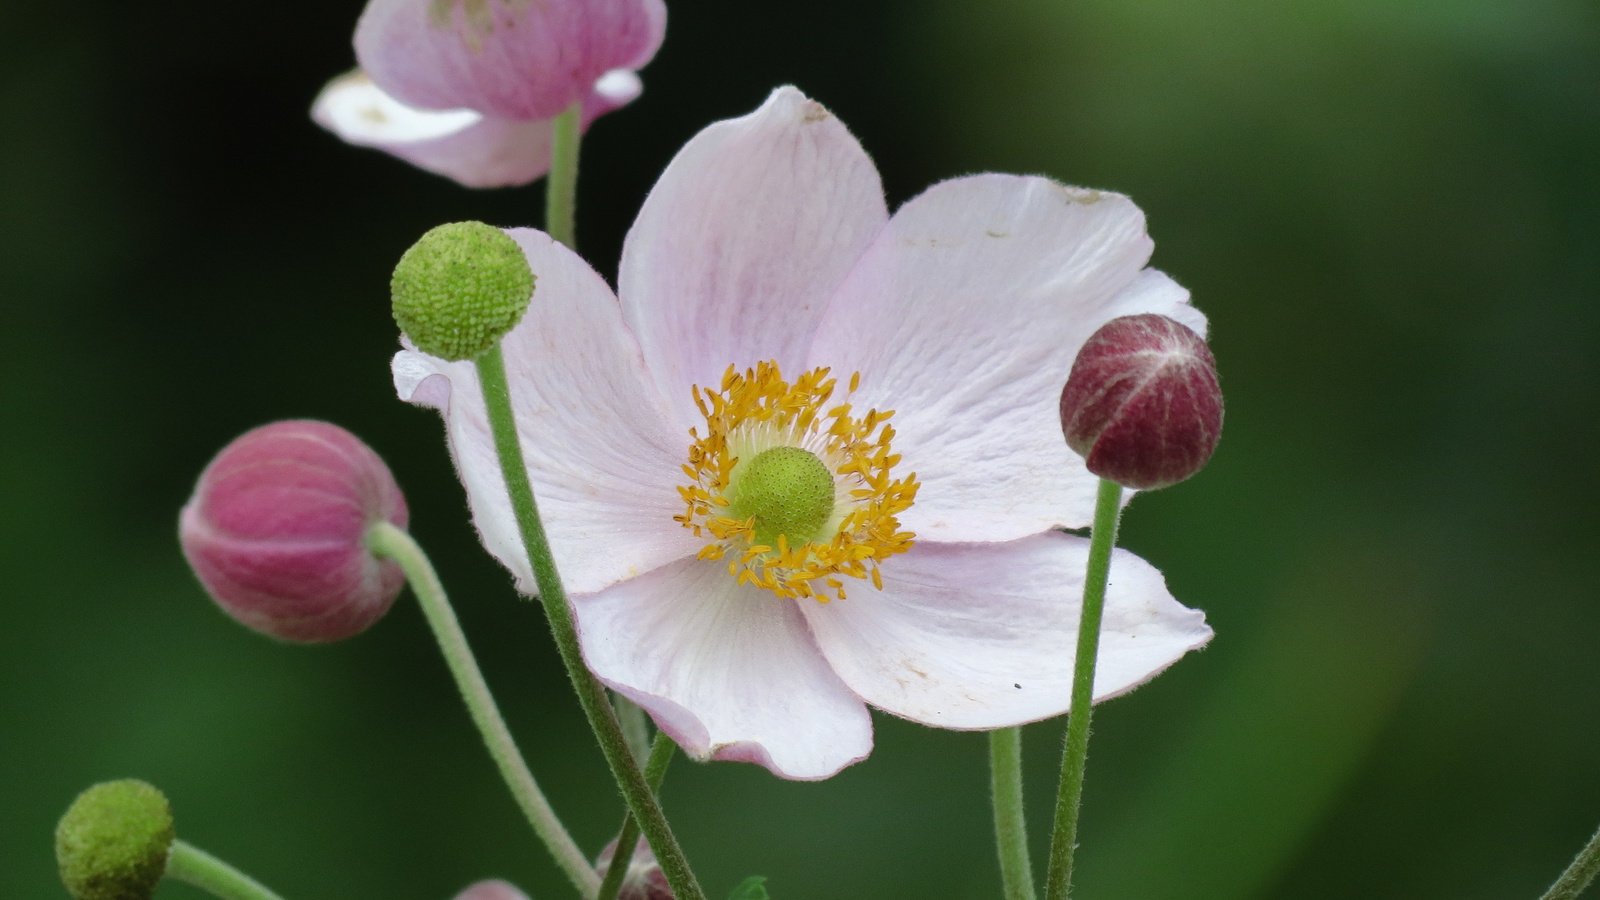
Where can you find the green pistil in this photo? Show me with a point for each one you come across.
(788, 491)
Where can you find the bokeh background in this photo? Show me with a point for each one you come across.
(1390, 212)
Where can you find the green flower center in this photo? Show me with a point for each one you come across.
(787, 491)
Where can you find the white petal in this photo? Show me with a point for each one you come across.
(604, 463)
(742, 242)
(728, 671)
(471, 149)
(964, 317)
(984, 635)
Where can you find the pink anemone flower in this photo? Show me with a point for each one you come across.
(808, 458)
(468, 89)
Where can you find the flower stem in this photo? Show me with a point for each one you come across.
(386, 540)
(1578, 875)
(591, 695)
(561, 185)
(634, 727)
(628, 836)
(1010, 826)
(191, 865)
(1107, 511)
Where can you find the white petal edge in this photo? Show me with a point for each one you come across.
(468, 148)
(978, 636)
(604, 463)
(742, 241)
(728, 671)
(964, 317)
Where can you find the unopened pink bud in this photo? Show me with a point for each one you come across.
(644, 879)
(492, 890)
(1142, 405)
(276, 531)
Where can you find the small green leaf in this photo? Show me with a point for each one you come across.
(752, 888)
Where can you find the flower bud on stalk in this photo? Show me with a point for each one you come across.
(459, 289)
(113, 842)
(491, 890)
(644, 879)
(1142, 405)
(276, 531)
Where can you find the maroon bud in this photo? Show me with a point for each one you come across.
(1142, 405)
(644, 879)
(276, 531)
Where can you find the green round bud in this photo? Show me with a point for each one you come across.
(788, 491)
(460, 289)
(113, 842)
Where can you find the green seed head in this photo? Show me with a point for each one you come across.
(788, 491)
(460, 289)
(113, 842)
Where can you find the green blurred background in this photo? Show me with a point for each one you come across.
(1389, 211)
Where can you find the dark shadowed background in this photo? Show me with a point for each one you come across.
(1389, 212)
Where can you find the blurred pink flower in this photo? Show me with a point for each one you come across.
(467, 89)
(763, 255)
(491, 890)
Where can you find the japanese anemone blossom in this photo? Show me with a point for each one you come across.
(768, 301)
(468, 89)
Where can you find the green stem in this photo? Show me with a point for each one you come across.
(191, 865)
(634, 726)
(1578, 875)
(386, 540)
(1063, 841)
(628, 836)
(591, 695)
(561, 185)
(1010, 825)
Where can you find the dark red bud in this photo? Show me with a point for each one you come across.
(1142, 405)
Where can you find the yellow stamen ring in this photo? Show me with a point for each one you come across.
(756, 411)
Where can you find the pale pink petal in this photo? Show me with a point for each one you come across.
(603, 460)
(460, 144)
(511, 59)
(491, 890)
(728, 670)
(984, 635)
(743, 240)
(964, 317)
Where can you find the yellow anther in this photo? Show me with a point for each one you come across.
(757, 410)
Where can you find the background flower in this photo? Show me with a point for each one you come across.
(767, 238)
(468, 88)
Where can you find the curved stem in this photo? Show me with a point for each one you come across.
(386, 540)
(1010, 825)
(191, 865)
(1063, 841)
(596, 706)
(561, 185)
(1578, 875)
(628, 836)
